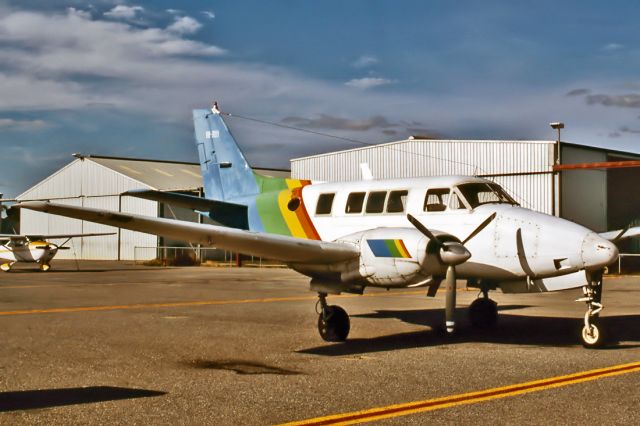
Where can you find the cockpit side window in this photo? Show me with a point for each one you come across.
(478, 193)
(355, 202)
(436, 200)
(455, 203)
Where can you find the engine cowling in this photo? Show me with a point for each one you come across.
(392, 257)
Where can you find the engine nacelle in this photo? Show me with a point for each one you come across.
(389, 257)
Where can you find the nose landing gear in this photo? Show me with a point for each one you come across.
(592, 335)
(333, 321)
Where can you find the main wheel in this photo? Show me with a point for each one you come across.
(333, 324)
(592, 336)
(6, 267)
(483, 313)
(44, 267)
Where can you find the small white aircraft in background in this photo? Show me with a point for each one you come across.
(34, 248)
(394, 233)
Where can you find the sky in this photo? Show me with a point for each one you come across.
(120, 78)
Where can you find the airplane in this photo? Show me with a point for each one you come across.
(392, 233)
(33, 249)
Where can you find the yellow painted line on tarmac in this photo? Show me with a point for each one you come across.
(188, 303)
(398, 410)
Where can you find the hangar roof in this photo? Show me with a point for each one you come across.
(161, 175)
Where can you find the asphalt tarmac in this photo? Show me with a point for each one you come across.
(116, 343)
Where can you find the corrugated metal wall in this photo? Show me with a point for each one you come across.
(415, 158)
(86, 183)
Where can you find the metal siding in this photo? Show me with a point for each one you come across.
(130, 239)
(101, 187)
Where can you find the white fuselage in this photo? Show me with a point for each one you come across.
(519, 244)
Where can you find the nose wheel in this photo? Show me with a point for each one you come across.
(483, 313)
(592, 335)
(333, 321)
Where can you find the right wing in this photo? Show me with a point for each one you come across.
(278, 247)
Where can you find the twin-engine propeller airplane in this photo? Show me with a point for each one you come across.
(382, 233)
(33, 248)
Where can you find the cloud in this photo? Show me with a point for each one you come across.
(631, 100)
(184, 25)
(367, 82)
(173, 11)
(625, 129)
(209, 14)
(122, 11)
(10, 123)
(337, 123)
(578, 92)
(612, 47)
(365, 61)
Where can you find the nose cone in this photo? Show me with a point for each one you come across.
(597, 252)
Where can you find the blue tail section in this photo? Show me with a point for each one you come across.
(225, 172)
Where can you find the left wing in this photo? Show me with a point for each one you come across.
(621, 234)
(271, 246)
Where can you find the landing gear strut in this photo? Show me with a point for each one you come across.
(592, 335)
(333, 321)
(483, 312)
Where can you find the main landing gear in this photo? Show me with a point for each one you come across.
(333, 321)
(483, 312)
(44, 267)
(592, 335)
(6, 267)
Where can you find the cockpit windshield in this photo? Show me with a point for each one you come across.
(478, 193)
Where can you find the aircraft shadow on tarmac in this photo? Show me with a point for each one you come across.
(511, 330)
(34, 399)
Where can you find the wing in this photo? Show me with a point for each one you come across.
(621, 234)
(277, 247)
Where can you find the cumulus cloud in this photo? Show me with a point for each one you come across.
(365, 61)
(578, 92)
(367, 82)
(122, 11)
(631, 100)
(11, 123)
(184, 25)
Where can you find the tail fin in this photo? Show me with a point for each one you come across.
(225, 172)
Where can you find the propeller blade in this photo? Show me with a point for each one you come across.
(420, 227)
(450, 305)
(626, 228)
(42, 247)
(480, 227)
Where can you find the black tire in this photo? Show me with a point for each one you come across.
(334, 324)
(595, 337)
(483, 313)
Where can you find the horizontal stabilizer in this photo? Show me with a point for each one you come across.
(34, 237)
(270, 246)
(227, 214)
(621, 234)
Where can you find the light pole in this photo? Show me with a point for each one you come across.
(556, 189)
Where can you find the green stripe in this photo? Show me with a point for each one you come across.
(393, 250)
(268, 184)
(270, 215)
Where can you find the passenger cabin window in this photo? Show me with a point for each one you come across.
(478, 193)
(436, 200)
(355, 202)
(375, 202)
(325, 202)
(397, 201)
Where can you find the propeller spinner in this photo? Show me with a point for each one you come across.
(450, 253)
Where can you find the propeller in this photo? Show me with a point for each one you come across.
(451, 253)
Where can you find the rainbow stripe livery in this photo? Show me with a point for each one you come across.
(389, 248)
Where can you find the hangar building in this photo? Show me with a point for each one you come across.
(98, 182)
(597, 198)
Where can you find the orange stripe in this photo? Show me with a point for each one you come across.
(403, 248)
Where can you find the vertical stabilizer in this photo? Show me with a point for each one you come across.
(225, 172)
